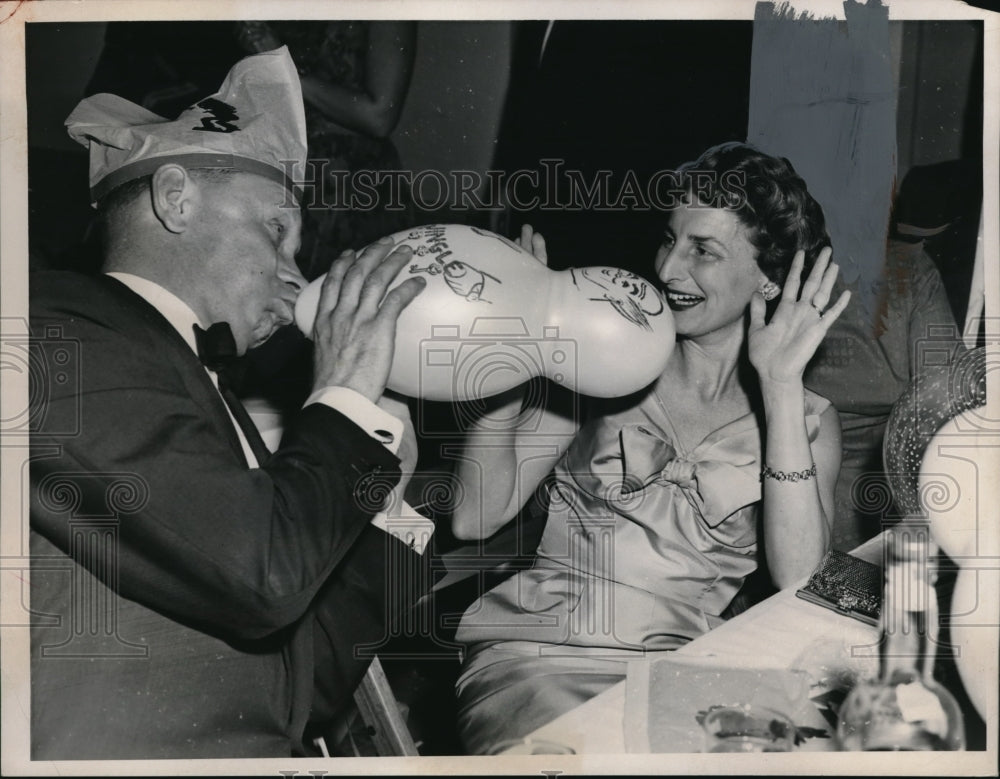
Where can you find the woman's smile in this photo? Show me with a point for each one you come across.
(682, 301)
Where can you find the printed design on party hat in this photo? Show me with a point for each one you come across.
(220, 118)
(254, 123)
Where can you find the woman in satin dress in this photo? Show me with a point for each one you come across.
(661, 503)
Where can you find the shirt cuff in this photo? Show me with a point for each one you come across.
(379, 424)
(413, 529)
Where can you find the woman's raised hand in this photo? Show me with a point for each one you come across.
(533, 243)
(781, 349)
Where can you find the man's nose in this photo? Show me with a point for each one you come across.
(289, 273)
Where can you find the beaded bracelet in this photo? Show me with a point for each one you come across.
(767, 473)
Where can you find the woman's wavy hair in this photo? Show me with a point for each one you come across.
(767, 196)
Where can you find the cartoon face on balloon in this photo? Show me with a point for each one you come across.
(631, 296)
(461, 278)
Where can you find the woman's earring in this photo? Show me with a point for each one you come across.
(769, 290)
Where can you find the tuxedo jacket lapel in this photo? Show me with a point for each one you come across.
(134, 310)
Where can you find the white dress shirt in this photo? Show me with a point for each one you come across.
(408, 526)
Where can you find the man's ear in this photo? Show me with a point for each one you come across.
(175, 197)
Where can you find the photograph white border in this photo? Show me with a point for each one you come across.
(14, 645)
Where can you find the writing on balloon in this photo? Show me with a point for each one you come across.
(463, 279)
(630, 295)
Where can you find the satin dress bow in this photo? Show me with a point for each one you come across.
(716, 481)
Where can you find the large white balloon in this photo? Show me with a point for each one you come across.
(492, 316)
(958, 490)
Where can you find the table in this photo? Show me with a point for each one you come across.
(772, 634)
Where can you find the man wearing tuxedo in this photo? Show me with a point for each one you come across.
(194, 595)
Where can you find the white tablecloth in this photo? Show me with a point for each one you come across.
(783, 631)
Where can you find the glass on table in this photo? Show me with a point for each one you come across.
(901, 715)
(905, 707)
(529, 746)
(837, 663)
(747, 728)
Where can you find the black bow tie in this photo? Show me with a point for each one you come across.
(216, 346)
(217, 352)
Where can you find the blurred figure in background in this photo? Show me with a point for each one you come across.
(618, 97)
(869, 358)
(354, 77)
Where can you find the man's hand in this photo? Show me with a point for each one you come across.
(355, 329)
